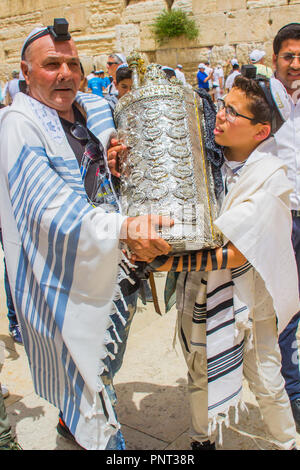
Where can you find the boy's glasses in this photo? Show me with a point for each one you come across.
(288, 57)
(230, 113)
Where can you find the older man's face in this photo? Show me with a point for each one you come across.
(53, 74)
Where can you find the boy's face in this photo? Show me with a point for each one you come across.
(287, 70)
(124, 86)
(241, 132)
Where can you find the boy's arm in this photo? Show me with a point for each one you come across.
(227, 257)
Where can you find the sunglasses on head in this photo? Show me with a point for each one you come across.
(111, 63)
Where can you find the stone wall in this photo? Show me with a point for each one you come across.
(228, 28)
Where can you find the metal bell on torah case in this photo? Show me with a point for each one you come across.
(165, 170)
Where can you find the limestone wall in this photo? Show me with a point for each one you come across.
(227, 28)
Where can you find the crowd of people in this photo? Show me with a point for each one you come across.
(71, 278)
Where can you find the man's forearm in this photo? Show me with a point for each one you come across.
(227, 257)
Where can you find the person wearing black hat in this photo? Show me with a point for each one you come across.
(286, 63)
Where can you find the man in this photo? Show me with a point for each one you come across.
(230, 79)
(218, 81)
(202, 77)
(62, 253)
(286, 63)
(179, 74)
(113, 62)
(95, 85)
(257, 58)
(11, 88)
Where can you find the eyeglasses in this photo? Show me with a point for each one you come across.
(111, 63)
(230, 113)
(94, 150)
(288, 57)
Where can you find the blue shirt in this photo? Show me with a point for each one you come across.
(201, 76)
(95, 84)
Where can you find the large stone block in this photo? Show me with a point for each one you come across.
(247, 26)
(212, 29)
(144, 11)
(265, 3)
(128, 38)
(283, 15)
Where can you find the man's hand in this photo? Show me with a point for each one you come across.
(141, 236)
(112, 156)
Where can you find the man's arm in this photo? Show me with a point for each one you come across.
(227, 257)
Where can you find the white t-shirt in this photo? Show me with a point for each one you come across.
(230, 79)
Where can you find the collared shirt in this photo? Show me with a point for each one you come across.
(231, 171)
(288, 149)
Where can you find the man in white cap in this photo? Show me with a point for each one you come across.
(257, 58)
(62, 231)
(202, 77)
(179, 74)
(113, 62)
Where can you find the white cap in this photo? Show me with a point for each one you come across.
(281, 98)
(256, 55)
(179, 66)
(234, 62)
(201, 66)
(121, 57)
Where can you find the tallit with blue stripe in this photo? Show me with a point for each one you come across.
(62, 257)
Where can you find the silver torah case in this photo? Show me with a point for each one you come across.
(165, 170)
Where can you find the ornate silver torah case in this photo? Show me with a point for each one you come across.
(166, 171)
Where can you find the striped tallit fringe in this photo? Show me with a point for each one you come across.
(223, 419)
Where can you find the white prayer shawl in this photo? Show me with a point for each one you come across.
(62, 257)
(256, 218)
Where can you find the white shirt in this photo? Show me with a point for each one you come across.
(218, 73)
(288, 149)
(180, 76)
(230, 79)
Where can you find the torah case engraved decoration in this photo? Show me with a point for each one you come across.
(165, 170)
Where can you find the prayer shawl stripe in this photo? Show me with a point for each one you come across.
(225, 399)
(222, 306)
(219, 288)
(94, 121)
(104, 126)
(236, 272)
(215, 365)
(175, 263)
(219, 327)
(228, 351)
(225, 365)
(227, 371)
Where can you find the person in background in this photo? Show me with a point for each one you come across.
(286, 63)
(11, 88)
(179, 74)
(230, 79)
(202, 77)
(257, 58)
(218, 81)
(113, 62)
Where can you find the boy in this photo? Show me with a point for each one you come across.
(244, 294)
